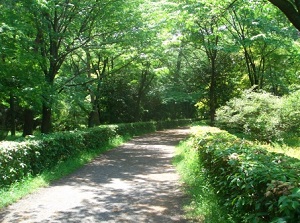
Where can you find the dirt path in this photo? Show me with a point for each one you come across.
(133, 183)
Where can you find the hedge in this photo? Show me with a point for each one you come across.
(256, 185)
(37, 154)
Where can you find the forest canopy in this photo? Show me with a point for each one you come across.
(70, 64)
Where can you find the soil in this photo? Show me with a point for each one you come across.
(135, 182)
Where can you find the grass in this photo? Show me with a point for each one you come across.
(204, 205)
(291, 151)
(32, 184)
(17, 136)
(290, 145)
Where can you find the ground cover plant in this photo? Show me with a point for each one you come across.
(203, 205)
(256, 185)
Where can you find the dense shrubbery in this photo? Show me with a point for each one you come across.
(261, 115)
(35, 155)
(290, 113)
(254, 113)
(258, 186)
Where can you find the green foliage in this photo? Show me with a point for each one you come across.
(258, 186)
(290, 112)
(257, 114)
(139, 60)
(32, 156)
(204, 204)
(262, 115)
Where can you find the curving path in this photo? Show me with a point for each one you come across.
(135, 182)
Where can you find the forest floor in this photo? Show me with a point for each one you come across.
(135, 182)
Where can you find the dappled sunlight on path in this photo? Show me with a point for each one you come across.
(135, 182)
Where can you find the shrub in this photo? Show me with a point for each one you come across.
(35, 155)
(256, 114)
(258, 186)
(290, 113)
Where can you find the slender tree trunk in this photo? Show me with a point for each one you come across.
(46, 119)
(94, 115)
(55, 62)
(12, 115)
(212, 56)
(28, 122)
(179, 63)
(212, 92)
(93, 119)
(46, 126)
(138, 108)
(145, 81)
(139, 96)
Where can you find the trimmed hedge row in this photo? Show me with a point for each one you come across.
(37, 154)
(256, 185)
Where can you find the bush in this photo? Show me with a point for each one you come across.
(258, 186)
(261, 115)
(36, 155)
(290, 113)
(256, 114)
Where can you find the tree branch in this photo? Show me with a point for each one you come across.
(290, 10)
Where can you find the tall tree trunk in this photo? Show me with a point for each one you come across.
(212, 92)
(12, 113)
(46, 126)
(144, 83)
(46, 119)
(28, 122)
(139, 96)
(94, 118)
(179, 63)
(55, 62)
(47, 96)
(137, 117)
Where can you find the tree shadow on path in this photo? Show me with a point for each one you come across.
(135, 182)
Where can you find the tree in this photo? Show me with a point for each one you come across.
(19, 70)
(174, 93)
(62, 27)
(122, 61)
(208, 38)
(291, 9)
(256, 36)
(60, 31)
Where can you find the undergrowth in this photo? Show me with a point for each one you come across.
(257, 182)
(204, 206)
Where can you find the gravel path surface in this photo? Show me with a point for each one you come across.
(135, 182)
